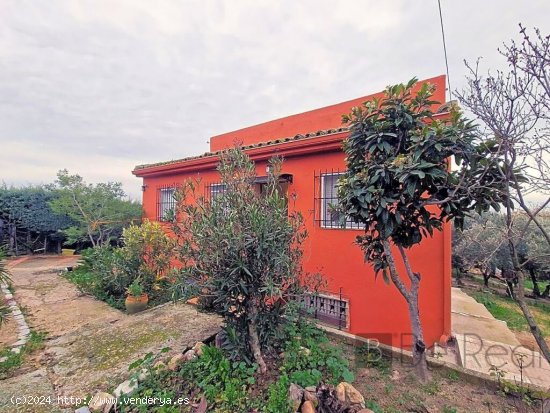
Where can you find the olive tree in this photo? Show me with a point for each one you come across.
(514, 106)
(399, 184)
(242, 250)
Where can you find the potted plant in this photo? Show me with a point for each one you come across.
(136, 300)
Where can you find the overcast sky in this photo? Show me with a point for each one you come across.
(101, 86)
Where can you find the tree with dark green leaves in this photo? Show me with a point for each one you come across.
(27, 223)
(243, 251)
(99, 212)
(400, 185)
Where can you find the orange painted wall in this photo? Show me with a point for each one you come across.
(323, 118)
(376, 309)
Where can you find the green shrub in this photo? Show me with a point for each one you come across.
(310, 358)
(107, 272)
(244, 250)
(277, 401)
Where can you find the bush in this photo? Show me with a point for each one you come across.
(243, 249)
(108, 272)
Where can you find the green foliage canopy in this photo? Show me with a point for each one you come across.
(99, 212)
(398, 170)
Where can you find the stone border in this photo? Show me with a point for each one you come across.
(23, 330)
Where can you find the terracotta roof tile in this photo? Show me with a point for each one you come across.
(251, 146)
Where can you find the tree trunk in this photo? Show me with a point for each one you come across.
(419, 346)
(519, 296)
(486, 276)
(45, 244)
(12, 235)
(411, 297)
(254, 339)
(536, 289)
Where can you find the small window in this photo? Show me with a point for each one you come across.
(216, 190)
(330, 216)
(166, 203)
(327, 309)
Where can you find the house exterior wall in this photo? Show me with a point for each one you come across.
(376, 310)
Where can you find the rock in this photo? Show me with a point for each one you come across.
(143, 374)
(395, 375)
(19, 343)
(16, 350)
(159, 365)
(125, 388)
(305, 351)
(193, 301)
(295, 396)
(311, 396)
(83, 409)
(308, 407)
(365, 411)
(102, 402)
(346, 393)
(175, 361)
(197, 348)
(189, 355)
(3, 359)
(311, 389)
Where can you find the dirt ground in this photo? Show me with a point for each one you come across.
(89, 345)
(391, 387)
(8, 333)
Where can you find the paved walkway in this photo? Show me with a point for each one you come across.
(89, 344)
(486, 344)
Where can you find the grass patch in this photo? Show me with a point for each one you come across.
(528, 283)
(14, 361)
(505, 309)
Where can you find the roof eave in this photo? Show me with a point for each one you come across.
(316, 144)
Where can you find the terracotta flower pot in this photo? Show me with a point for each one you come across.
(136, 304)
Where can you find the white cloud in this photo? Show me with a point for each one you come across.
(99, 86)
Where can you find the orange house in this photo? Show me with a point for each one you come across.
(311, 145)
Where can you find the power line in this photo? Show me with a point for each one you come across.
(445, 51)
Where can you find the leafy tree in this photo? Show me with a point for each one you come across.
(483, 243)
(99, 212)
(514, 106)
(243, 250)
(28, 218)
(399, 184)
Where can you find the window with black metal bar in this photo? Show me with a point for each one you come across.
(166, 202)
(326, 202)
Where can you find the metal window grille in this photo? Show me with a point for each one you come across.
(214, 190)
(329, 309)
(166, 202)
(326, 202)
